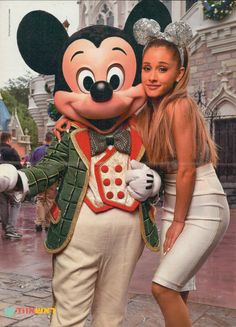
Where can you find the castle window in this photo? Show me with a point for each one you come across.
(13, 133)
(105, 9)
(100, 20)
(110, 19)
(105, 16)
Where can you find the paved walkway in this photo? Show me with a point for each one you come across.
(25, 270)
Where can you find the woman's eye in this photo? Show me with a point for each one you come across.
(162, 69)
(85, 80)
(146, 68)
(115, 77)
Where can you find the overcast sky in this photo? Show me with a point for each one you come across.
(11, 13)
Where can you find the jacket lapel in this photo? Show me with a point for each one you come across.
(81, 142)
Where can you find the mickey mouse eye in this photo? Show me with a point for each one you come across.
(115, 77)
(85, 80)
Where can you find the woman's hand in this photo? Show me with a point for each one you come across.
(185, 146)
(58, 129)
(172, 234)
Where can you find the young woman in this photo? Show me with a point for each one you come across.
(196, 212)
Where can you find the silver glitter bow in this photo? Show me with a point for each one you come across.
(179, 33)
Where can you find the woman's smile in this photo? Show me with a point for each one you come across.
(153, 86)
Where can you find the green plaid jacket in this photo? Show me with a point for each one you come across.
(66, 163)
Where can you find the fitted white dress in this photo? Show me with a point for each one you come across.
(205, 225)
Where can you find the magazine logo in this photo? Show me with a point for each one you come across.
(10, 311)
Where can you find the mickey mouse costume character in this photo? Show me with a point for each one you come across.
(97, 229)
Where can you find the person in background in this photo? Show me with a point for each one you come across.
(25, 161)
(44, 201)
(10, 203)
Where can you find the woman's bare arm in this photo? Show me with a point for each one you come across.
(184, 141)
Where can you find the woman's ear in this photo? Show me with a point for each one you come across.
(180, 75)
(40, 38)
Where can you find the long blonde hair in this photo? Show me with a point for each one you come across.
(155, 125)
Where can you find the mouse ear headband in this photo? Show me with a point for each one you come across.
(179, 33)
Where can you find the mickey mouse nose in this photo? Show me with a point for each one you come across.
(101, 91)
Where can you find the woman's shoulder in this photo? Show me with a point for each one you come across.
(180, 107)
(183, 103)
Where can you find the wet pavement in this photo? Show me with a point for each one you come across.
(25, 283)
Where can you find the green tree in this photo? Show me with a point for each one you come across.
(15, 96)
(19, 87)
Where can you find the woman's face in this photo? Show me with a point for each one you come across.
(159, 71)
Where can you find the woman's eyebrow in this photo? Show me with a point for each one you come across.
(163, 62)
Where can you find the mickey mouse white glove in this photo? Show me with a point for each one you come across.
(9, 177)
(143, 182)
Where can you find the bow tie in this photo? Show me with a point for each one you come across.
(120, 139)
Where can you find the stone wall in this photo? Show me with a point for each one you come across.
(205, 66)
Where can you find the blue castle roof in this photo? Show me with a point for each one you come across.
(4, 116)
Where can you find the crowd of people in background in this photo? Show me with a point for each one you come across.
(10, 202)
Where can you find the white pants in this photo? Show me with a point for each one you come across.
(205, 225)
(95, 269)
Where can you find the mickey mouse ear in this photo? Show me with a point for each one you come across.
(151, 9)
(180, 33)
(145, 29)
(40, 38)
